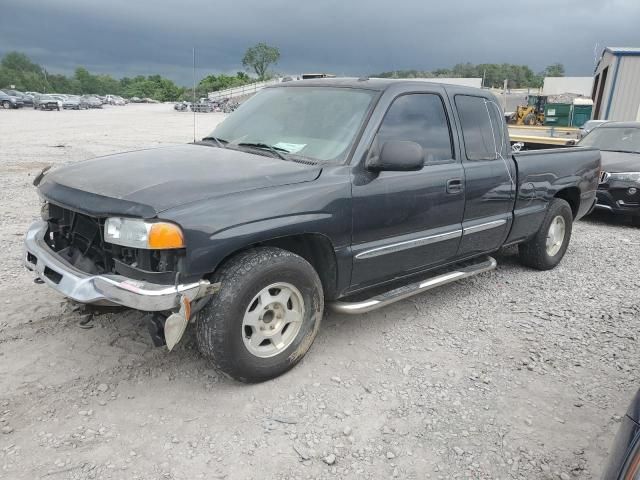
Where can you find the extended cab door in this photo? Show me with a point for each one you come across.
(490, 175)
(406, 221)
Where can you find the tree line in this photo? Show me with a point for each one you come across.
(19, 70)
(25, 75)
(494, 74)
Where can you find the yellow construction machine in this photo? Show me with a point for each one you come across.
(532, 113)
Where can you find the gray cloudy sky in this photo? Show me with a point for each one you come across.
(130, 37)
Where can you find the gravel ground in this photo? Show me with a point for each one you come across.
(512, 374)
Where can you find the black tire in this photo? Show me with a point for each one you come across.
(6, 105)
(533, 253)
(530, 119)
(219, 326)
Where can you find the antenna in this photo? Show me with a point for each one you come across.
(193, 104)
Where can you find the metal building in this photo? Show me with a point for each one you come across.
(576, 85)
(616, 85)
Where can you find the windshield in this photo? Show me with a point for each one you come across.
(314, 122)
(622, 139)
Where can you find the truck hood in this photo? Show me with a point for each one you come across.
(147, 182)
(613, 162)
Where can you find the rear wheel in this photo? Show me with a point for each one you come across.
(530, 119)
(265, 316)
(547, 247)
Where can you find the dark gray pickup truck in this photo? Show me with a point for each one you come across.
(353, 193)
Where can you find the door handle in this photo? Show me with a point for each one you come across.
(454, 185)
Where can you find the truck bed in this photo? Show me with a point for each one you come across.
(571, 173)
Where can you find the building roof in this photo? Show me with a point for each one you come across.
(623, 50)
(560, 85)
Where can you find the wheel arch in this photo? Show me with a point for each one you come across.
(315, 248)
(572, 196)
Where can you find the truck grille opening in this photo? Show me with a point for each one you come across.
(79, 239)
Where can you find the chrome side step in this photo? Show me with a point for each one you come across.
(406, 291)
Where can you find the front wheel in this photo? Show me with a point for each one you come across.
(6, 105)
(547, 247)
(265, 316)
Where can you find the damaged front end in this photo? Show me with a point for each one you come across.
(69, 251)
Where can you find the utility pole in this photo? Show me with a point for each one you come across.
(504, 93)
(46, 80)
(193, 104)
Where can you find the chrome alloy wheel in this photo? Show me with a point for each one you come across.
(272, 320)
(555, 235)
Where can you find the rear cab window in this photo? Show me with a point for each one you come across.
(483, 130)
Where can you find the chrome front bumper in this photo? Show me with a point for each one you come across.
(108, 289)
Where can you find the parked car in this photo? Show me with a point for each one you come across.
(202, 106)
(91, 101)
(27, 100)
(74, 102)
(182, 106)
(624, 457)
(311, 192)
(590, 125)
(115, 100)
(619, 189)
(47, 102)
(10, 101)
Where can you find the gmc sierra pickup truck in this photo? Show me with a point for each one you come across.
(351, 192)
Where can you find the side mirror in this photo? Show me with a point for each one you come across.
(398, 156)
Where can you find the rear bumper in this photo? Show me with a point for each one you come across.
(104, 289)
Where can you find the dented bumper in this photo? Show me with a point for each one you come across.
(106, 289)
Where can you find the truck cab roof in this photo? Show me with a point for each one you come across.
(377, 84)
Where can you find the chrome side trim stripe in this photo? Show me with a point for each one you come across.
(484, 226)
(417, 242)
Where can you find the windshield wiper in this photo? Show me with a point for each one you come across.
(219, 142)
(263, 146)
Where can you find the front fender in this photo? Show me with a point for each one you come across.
(216, 228)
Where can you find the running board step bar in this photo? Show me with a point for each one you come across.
(406, 291)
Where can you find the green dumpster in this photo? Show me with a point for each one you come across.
(557, 114)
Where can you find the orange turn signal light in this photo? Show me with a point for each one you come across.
(163, 236)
